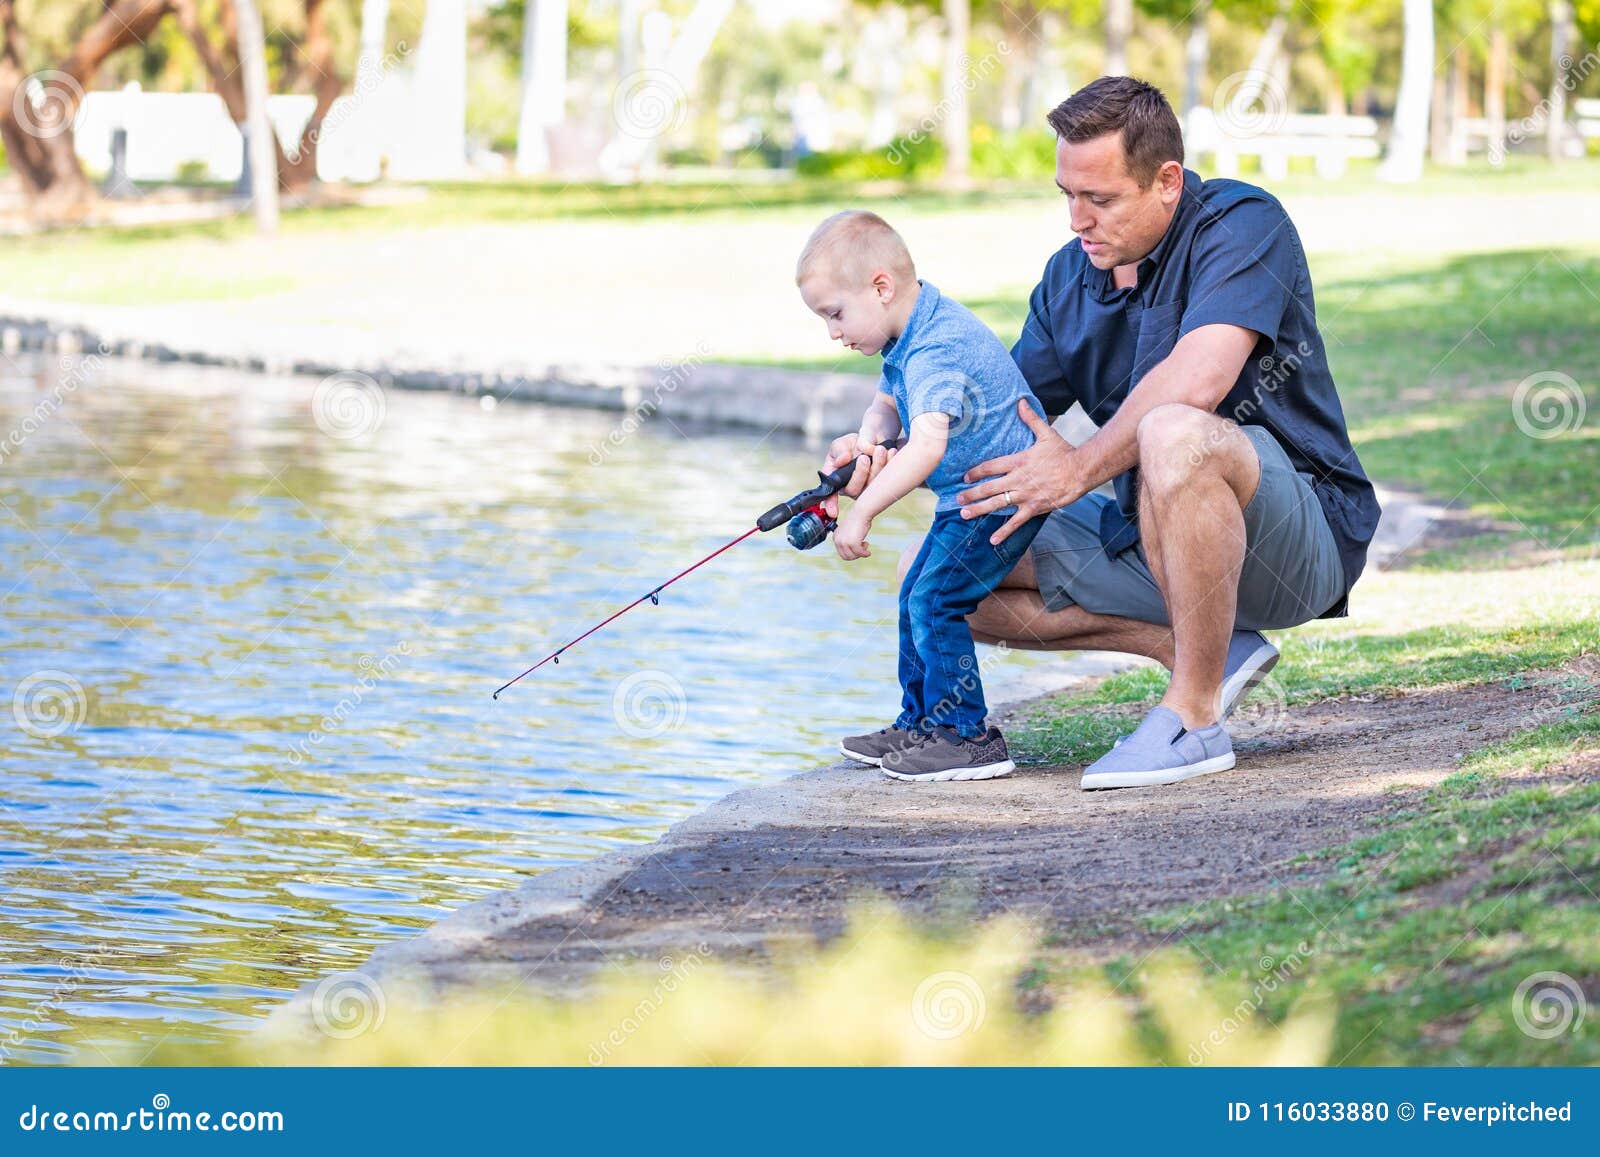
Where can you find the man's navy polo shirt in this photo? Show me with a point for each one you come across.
(1231, 255)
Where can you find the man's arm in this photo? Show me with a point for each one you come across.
(1245, 264)
(1199, 372)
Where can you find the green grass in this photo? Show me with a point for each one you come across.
(1426, 929)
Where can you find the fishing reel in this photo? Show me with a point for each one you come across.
(810, 528)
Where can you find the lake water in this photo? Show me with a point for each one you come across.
(248, 635)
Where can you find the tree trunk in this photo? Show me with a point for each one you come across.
(225, 69)
(1494, 93)
(884, 42)
(258, 129)
(544, 82)
(318, 51)
(1196, 51)
(1560, 64)
(1460, 106)
(374, 39)
(1408, 139)
(1119, 27)
(1018, 40)
(957, 125)
(39, 138)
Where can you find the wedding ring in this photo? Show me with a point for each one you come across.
(1007, 497)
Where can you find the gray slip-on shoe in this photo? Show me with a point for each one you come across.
(1161, 750)
(1250, 658)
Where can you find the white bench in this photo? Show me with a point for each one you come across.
(1588, 115)
(1330, 141)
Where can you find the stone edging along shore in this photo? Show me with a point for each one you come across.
(688, 390)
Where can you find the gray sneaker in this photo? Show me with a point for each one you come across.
(943, 755)
(1161, 750)
(872, 748)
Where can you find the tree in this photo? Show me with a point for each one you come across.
(1408, 139)
(544, 81)
(311, 56)
(37, 111)
(957, 117)
(258, 133)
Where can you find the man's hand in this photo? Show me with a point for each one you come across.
(850, 536)
(1040, 479)
(840, 451)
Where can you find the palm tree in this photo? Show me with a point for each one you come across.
(258, 129)
(1408, 139)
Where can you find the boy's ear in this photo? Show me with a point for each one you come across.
(883, 285)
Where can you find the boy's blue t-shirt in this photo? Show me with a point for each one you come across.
(946, 361)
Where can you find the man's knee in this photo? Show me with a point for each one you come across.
(1177, 442)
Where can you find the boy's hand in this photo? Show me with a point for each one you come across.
(875, 458)
(850, 536)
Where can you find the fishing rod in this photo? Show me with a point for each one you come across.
(809, 525)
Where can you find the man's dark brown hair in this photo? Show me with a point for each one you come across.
(1149, 128)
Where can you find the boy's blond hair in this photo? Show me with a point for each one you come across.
(852, 246)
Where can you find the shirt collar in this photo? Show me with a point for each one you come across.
(1100, 280)
(896, 350)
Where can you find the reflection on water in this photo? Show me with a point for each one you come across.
(245, 669)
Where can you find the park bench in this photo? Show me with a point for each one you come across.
(1330, 141)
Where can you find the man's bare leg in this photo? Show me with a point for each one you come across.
(1197, 474)
(1015, 614)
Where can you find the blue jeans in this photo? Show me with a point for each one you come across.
(954, 571)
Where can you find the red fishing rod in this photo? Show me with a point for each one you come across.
(809, 526)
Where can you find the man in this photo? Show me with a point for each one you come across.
(1181, 318)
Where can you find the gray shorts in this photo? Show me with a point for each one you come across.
(1292, 572)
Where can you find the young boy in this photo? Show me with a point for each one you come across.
(950, 383)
